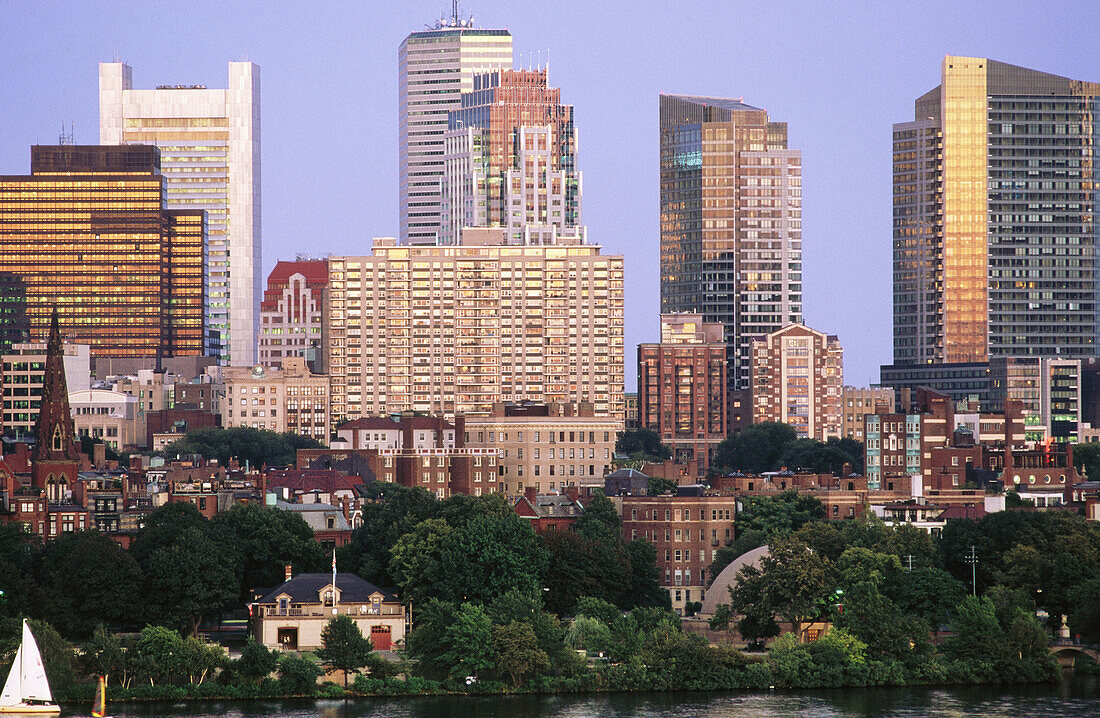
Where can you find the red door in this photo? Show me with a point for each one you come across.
(380, 637)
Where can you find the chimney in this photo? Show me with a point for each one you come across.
(530, 493)
(289, 571)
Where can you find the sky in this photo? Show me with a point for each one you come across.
(840, 74)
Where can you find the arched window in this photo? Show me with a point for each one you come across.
(57, 439)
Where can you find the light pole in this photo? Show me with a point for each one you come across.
(972, 559)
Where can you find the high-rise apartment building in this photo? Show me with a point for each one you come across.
(87, 232)
(797, 375)
(682, 388)
(731, 221)
(435, 67)
(291, 311)
(210, 157)
(22, 376)
(457, 329)
(287, 398)
(995, 232)
(510, 161)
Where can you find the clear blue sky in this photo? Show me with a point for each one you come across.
(839, 73)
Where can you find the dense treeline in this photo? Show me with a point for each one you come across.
(256, 447)
(772, 446)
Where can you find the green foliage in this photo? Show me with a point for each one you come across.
(257, 447)
(517, 651)
(89, 578)
(1086, 458)
(645, 577)
(598, 608)
(779, 515)
(582, 566)
(790, 582)
(256, 662)
(755, 449)
(298, 675)
(469, 643)
(392, 512)
(659, 485)
(415, 559)
(103, 654)
(268, 539)
(343, 646)
(599, 520)
(1085, 619)
(159, 650)
(198, 659)
(642, 444)
(588, 634)
(930, 594)
(191, 566)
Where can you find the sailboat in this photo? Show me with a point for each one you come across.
(27, 690)
(99, 703)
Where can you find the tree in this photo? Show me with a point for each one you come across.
(517, 651)
(343, 646)
(1086, 458)
(90, 579)
(269, 539)
(298, 675)
(256, 447)
(469, 643)
(790, 582)
(755, 449)
(645, 577)
(778, 515)
(599, 520)
(159, 650)
(1085, 619)
(642, 444)
(256, 661)
(198, 658)
(190, 566)
(930, 593)
(415, 563)
(391, 511)
(104, 655)
(660, 485)
(488, 556)
(582, 566)
(58, 655)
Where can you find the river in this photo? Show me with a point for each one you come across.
(1075, 697)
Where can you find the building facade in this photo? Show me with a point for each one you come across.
(731, 220)
(89, 232)
(687, 532)
(288, 398)
(545, 447)
(434, 68)
(23, 376)
(449, 330)
(682, 388)
(210, 148)
(510, 161)
(994, 217)
(291, 313)
(856, 402)
(798, 374)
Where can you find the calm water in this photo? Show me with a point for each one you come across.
(1076, 697)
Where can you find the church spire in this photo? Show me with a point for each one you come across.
(54, 431)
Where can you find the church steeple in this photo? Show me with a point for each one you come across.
(55, 430)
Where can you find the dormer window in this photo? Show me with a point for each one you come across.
(284, 606)
(326, 598)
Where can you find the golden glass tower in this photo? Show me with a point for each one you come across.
(86, 233)
(994, 217)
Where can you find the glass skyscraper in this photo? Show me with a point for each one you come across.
(435, 67)
(995, 236)
(731, 221)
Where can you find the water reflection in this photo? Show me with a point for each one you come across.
(1078, 696)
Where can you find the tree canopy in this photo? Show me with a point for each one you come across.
(772, 446)
(257, 447)
(642, 444)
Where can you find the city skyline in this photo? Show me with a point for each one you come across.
(324, 197)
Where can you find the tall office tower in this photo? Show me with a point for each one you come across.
(731, 221)
(798, 375)
(434, 68)
(290, 315)
(210, 156)
(682, 388)
(85, 232)
(995, 232)
(510, 158)
(447, 330)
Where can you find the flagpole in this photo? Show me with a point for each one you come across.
(334, 581)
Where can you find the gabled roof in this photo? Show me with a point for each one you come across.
(306, 588)
(316, 515)
(308, 480)
(554, 506)
(626, 474)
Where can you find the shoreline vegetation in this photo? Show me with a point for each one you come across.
(501, 609)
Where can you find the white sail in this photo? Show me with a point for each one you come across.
(12, 695)
(33, 674)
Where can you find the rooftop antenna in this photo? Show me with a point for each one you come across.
(65, 139)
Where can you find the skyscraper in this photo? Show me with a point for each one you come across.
(510, 160)
(435, 67)
(995, 233)
(87, 233)
(210, 156)
(731, 221)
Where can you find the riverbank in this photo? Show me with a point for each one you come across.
(1073, 697)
